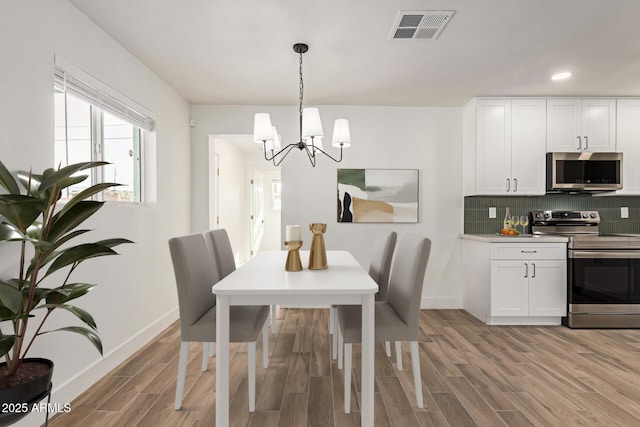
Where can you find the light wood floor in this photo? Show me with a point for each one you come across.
(472, 375)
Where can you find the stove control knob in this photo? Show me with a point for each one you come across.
(594, 215)
(585, 215)
(547, 215)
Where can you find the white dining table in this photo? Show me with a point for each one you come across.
(264, 281)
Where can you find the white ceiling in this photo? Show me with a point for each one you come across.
(240, 51)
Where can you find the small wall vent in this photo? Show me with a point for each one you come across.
(424, 24)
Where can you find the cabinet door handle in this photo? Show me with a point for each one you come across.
(528, 252)
(515, 184)
(508, 185)
(579, 144)
(526, 269)
(586, 142)
(533, 264)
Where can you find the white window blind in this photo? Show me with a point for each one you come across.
(80, 84)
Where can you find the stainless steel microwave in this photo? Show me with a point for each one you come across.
(583, 171)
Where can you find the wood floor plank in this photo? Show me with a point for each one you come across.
(272, 390)
(294, 410)
(265, 419)
(432, 419)
(135, 410)
(396, 402)
(453, 410)
(473, 402)
(299, 371)
(600, 404)
(493, 396)
(131, 388)
(320, 407)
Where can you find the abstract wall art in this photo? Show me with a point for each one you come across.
(378, 195)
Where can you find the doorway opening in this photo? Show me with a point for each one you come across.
(244, 195)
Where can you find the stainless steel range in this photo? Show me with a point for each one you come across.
(603, 282)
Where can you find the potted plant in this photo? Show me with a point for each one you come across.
(42, 228)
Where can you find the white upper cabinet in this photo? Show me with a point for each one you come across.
(581, 125)
(493, 146)
(628, 143)
(528, 141)
(510, 141)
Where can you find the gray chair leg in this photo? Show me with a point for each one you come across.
(274, 325)
(265, 345)
(347, 377)
(205, 356)
(251, 350)
(417, 378)
(340, 346)
(182, 373)
(399, 355)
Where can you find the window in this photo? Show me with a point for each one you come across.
(93, 125)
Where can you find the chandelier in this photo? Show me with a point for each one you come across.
(310, 130)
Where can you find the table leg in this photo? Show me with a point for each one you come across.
(368, 339)
(222, 361)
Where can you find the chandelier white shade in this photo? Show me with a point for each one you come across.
(262, 129)
(341, 133)
(310, 130)
(311, 124)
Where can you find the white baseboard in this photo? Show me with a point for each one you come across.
(80, 383)
(441, 303)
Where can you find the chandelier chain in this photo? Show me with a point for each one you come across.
(301, 86)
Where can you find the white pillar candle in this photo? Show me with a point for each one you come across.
(294, 233)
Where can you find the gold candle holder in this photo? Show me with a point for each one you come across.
(318, 253)
(293, 257)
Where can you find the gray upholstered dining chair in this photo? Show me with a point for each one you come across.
(220, 245)
(218, 240)
(379, 270)
(398, 318)
(195, 277)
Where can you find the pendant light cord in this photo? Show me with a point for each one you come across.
(301, 86)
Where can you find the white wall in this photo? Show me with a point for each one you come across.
(135, 297)
(429, 139)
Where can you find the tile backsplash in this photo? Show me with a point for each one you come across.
(477, 221)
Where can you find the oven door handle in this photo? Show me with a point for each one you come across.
(605, 254)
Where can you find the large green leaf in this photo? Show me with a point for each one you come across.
(48, 249)
(10, 297)
(90, 334)
(7, 181)
(20, 210)
(6, 342)
(10, 232)
(70, 292)
(78, 254)
(62, 222)
(110, 243)
(80, 313)
(72, 180)
(30, 181)
(86, 193)
(52, 179)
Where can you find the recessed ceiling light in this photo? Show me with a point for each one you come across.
(561, 76)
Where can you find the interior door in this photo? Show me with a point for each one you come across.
(257, 211)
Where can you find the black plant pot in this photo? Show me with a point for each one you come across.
(16, 402)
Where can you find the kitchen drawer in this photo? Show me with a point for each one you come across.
(528, 251)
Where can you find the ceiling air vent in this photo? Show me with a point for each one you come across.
(424, 24)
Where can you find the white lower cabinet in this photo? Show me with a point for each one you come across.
(515, 283)
(528, 288)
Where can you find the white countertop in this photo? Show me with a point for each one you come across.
(528, 238)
